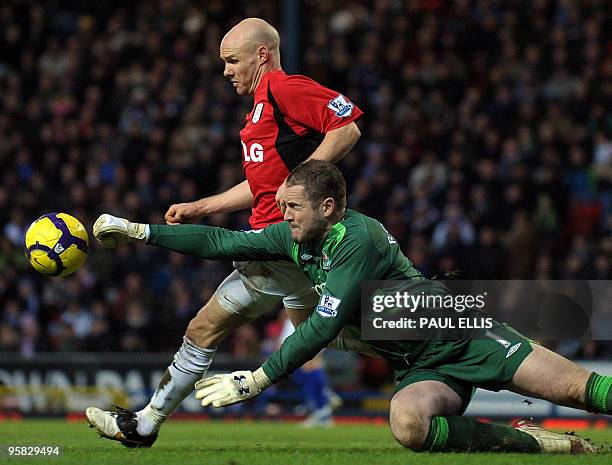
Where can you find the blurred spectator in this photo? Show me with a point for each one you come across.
(488, 255)
(9, 338)
(454, 229)
(136, 328)
(520, 244)
(78, 319)
(485, 146)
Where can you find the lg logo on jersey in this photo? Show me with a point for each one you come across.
(254, 153)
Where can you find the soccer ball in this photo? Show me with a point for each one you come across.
(56, 244)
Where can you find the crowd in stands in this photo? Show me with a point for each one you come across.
(486, 147)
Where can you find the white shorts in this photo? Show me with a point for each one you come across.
(287, 330)
(256, 287)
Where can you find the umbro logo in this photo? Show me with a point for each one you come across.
(513, 349)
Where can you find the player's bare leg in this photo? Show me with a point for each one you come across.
(547, 375)
(204, 332)
(212, 324)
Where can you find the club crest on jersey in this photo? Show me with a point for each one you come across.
(328, 306)
(257, 112)
(326, 262)
(319, 288)
(341, 106)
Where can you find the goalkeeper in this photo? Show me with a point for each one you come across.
(339, 248)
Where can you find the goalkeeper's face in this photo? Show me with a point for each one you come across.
(309, 221)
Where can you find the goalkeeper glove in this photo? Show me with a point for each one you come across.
(111, 231)
(228, 389)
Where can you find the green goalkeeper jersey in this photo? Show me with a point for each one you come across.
(356, 249)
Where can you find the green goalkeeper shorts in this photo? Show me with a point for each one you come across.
(488, 361)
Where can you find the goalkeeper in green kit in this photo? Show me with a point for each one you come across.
(337, 249)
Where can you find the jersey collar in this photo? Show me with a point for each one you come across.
(262, 87)
(309, 252)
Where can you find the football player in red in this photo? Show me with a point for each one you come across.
(293, 119)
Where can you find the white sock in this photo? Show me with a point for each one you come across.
(190, 364)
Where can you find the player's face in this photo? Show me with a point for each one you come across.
(241, 65)
(307, 221)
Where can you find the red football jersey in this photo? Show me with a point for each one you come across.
(289, 119)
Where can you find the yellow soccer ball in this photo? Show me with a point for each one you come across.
(56, 244)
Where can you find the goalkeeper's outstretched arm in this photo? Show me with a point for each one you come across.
(271, 243)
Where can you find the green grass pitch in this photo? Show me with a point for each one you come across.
(251, 443)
